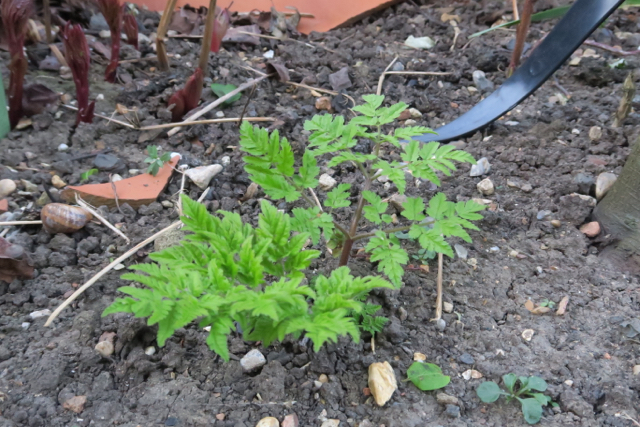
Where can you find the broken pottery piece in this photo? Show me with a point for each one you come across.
(136, 191)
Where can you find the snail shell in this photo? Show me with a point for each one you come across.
(61, 218)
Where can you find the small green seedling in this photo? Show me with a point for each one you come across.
(427, 376)
(528, 392)
(368, 321)
(221, 90)
(85, 175)
(547, 303)
(155, 161)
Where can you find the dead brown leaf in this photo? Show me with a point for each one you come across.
(36, 98)
(274, 67)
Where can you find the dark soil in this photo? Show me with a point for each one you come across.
(582, 355)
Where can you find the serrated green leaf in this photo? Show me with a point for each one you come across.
(413, 209)
(307, 173)
(337, 198)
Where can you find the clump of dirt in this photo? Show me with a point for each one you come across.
(529, 247)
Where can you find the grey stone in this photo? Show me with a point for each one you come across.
(252, 361)
(604, 183)
(453, 411)
(461, 251)
(482, 167)
(106, 162)
(466, 358)
(482, 83)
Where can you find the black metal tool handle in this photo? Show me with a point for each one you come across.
(574, 28)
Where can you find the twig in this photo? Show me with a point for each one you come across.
(59, 56)
(246, 104)
(439, 290)
(9, 223)
(628, 417)
(315, 198)
(161, 49)
(516, 14)
(215, 103)
(71, 107)
(613, 50)
(206, 38)
(381, 79)
(109, 267)
(47, 21)
(302, 15)
(146, 58)
(420, 73)
(115, 193)
(208, 121)
(84, 205)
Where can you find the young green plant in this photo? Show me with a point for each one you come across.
(155, 160)
(227, 273)
(527, 390)
(270, 163)
(427, 376)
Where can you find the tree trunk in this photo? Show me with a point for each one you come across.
(619, 214)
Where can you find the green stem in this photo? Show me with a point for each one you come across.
(388, 231)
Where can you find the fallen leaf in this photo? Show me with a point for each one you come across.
(238, 35)
(562, 306)
(36, 98)
(529, 305)
(274, 67)
(14, 262)
(540, 310)
(136, 191)
(188, 19)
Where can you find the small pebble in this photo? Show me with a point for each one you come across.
(543, 215)
(397, 66)
(115, 177)
(604, 182)
(323, 103)
(636, 370)
(167, 204)
(445, 399)
(63, 147)
(7, 186)
(150, 351)
(591, 229)
(485, 187)
(290, 420)
(482, 167)
(330, 423)
(40, 313)
(57, 182)
(268, 422)
(595, 133)
(447, 307)
(105, 348)
(323, 378)
(453, 411)
(556, 223)
(420, 42)
(252, 361)
(25, 325)
(225, 160)
(481, 81)
(29, 186)
(441, 325)
(466, 358)
(415, 113)
(268, 54)
(326, 182)
(461, 251)
(219, 114)
(494, 249)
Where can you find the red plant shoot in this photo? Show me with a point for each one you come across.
(15, 16)
(112, 12)
(130, 26)
(187, 98)
(76, 52)
(220, 27)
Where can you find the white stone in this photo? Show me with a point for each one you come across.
(115, 177)
(485, 187)
(219, 114)
(461, 251)
(25, 325)
(7, 186)
(595, 133)
(326, 182)
(40, 313)
(105, 348)
(331, 423)
(150, 351)
(420, 42)
(201, 176)
(604, 182)
(268, 422)
(415, 113)
(482, 167)
(268, 54)
(252, 361)
(63, 147)
(225, 160)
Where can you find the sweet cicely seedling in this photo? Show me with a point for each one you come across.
(529, 392)
(270, 163)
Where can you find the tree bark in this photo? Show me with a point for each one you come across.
(619, 214)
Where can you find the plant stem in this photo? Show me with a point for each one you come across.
(161, 49)
(521, 35)
(206, 38)
(47, 20)
(348, 244)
